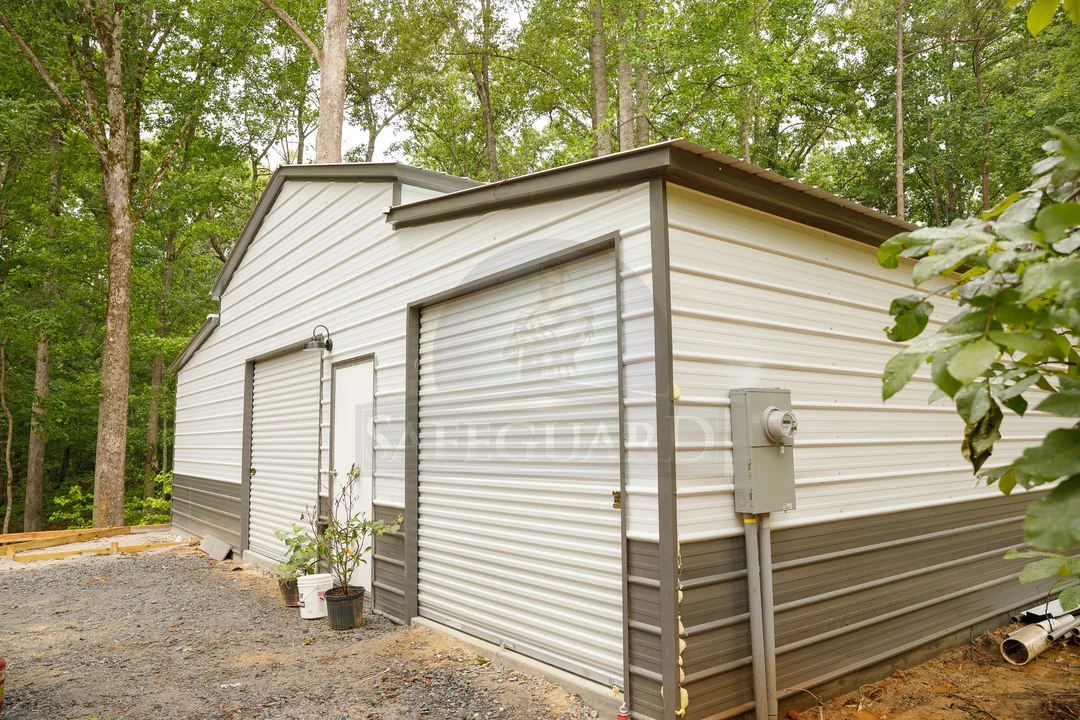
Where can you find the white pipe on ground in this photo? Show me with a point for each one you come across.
(1026, 643)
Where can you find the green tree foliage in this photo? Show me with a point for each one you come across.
(221, 91)
(1013, 345)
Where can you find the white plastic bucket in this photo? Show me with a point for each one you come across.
(312, 594)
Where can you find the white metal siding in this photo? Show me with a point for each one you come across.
(415, 193)
(759, 301)
(519, 455)
(284, 450)
(325, 254)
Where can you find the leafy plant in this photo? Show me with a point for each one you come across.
(1014, 339)
(156, 510)
(73, 509)
(345, 540)
(1042, 12)
(301, 552)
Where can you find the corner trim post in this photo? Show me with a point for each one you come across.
(412, 462)
(245, 454)
(665, 447)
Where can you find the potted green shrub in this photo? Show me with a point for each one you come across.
(344, 544)
(301, 555)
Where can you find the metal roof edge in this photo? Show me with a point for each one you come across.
(680, 162)
(201, 336)
(587, 175)
(350, 172)
(729, 178)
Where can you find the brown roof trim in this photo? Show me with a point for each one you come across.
(679, 162)
(201, 336)
(731, 179)
(347, 172)
(623, 168)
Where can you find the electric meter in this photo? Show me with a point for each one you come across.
(763, 429)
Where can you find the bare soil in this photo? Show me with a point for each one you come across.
(172, 634)
(970, 683)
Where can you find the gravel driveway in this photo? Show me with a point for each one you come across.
(171, 634)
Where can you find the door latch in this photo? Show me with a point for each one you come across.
(616, 499)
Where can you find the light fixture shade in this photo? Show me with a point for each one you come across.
(318, 342)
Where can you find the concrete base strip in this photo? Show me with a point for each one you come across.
(595, 695)
(256, 559)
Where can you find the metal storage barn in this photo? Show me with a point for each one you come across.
(538, 375)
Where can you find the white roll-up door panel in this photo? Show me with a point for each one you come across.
(284, 447)
(519, 452)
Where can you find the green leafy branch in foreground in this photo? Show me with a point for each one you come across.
(1013, 342)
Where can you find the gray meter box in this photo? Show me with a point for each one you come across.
(762, 433)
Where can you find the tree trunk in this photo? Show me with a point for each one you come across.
(482, 77)
(332, 72)
(116, 350)
(977, 67)
(301, 134)
(165, 441)
(157, 371)
(65, 464)
(152, 422)
(744, 121)
(626, 83)
(598, 66)
(931, 160)
(35, 453)
(489, 117)
(641, 83)
(900, 108)
(10, 430)
(369, 151)
(109, 469)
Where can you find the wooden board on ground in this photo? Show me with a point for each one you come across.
(61, 554)
(215, 548)
(37, 535)
(150, 528)
(80, 536)
(49, 534)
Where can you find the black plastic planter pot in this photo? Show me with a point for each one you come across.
(290, 594)
(345, 611)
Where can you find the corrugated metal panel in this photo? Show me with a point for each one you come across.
(519, 454)
(758, 301)
(415, 193)
(388, 558)
(643, 585)
(850, 595)
(324, 254)
(206, 507)
(284, 447)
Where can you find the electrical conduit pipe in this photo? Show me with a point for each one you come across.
(768, 614)
(757, 630)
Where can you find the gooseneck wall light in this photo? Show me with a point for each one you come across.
(318, 341)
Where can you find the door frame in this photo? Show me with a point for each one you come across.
(245, 452)
(602, 243)
(334, 367)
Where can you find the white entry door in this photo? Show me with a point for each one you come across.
(354, 410)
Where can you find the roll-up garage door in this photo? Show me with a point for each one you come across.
(519, 542)
(284, 447)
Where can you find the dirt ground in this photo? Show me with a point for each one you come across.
(171, 634)
(970, 683)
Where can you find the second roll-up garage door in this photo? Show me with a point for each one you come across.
(519, 453)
